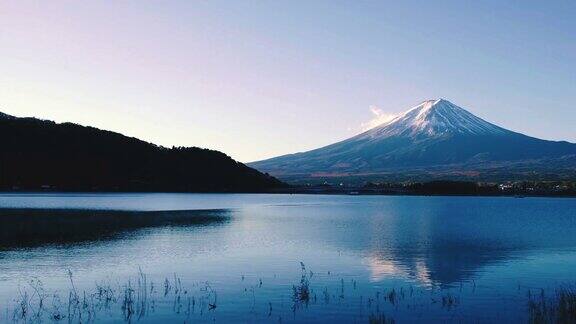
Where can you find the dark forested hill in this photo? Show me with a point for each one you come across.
(37, 154)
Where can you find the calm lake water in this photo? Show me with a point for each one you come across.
(281, 258)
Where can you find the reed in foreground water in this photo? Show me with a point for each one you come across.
(139, 297)
(560, 307)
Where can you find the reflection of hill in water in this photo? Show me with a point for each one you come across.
(36, 227)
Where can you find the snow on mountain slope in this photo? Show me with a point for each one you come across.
(435, 118)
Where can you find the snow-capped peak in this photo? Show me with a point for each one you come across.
(435, 118)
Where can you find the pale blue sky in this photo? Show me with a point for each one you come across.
(256, 79)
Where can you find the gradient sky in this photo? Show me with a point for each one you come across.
(257, 79)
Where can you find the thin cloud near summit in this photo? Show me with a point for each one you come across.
(379, 117)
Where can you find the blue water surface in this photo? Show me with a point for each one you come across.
(290, 258)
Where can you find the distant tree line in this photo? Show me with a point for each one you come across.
(446, 187)
(449, 187)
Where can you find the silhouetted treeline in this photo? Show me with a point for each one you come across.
(520, 188)
(438, 187)
(441, 187)
(38, 154)
(445, 187)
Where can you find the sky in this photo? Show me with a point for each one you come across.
(257, 79)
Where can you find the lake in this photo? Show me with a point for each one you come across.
(282, 258)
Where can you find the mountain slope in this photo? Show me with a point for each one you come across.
(435, 136)
(36, 153)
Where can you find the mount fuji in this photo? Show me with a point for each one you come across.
(436, 139)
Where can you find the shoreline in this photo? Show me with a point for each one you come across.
(316, 191)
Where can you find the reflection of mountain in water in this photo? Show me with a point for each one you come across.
(35, 227)
(436, 240)
(444, 244)
(437, 266)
